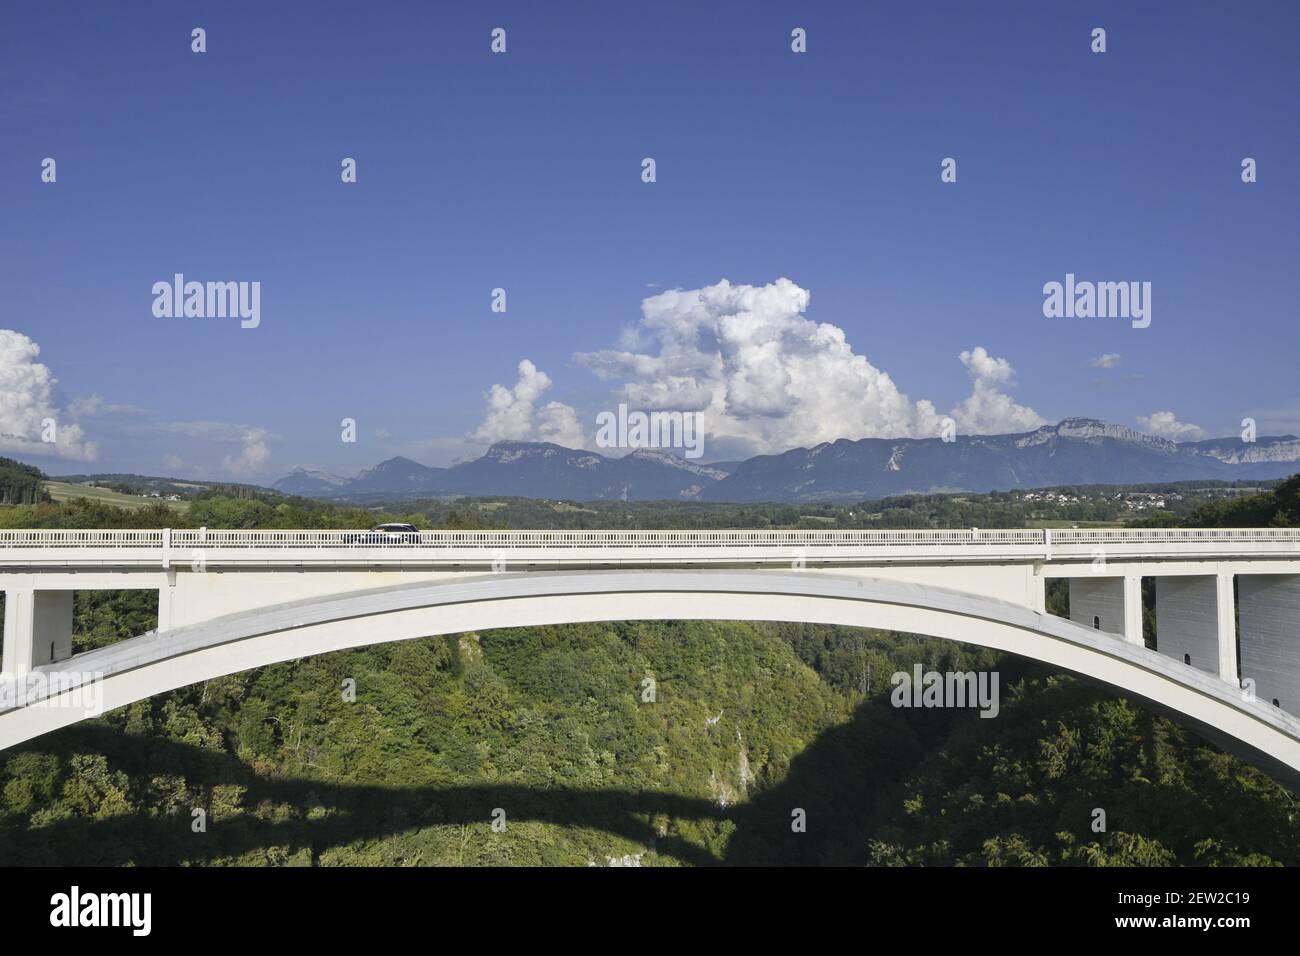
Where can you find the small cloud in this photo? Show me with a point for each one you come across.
(512, 413)
(1166, 425)
(253, 456)
(1109, 360)
(989, 410)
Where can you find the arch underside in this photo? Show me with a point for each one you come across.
(155, 663)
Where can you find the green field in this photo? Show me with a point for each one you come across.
(63, 491)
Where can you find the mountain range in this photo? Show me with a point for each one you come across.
(1077, 451)
(524, 469)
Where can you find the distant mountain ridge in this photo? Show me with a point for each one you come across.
(524, 469)
(1075, 451)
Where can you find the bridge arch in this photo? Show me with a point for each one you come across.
(158, 662)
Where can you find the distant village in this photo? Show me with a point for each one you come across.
(1131, 500)
(124, 489)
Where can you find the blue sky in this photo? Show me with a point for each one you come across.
(523, 171)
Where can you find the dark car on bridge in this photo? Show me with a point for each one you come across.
(387, 534)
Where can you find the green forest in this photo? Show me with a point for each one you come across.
(541, 746)
(21, 484)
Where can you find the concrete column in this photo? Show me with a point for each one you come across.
(1270, 636)
(1191, 613)
(1098, 602)
(1133, 609)
(18, 630)
(1226, 631)
(38, 628)
(1037, 588)
(168, 612)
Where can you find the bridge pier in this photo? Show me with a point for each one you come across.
(1270, 636)
(1112, 604)
(169, 602)
(1197, 624)
(1037, 584)
(1226, 616)
(38, 628)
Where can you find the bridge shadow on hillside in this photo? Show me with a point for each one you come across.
(845, 782)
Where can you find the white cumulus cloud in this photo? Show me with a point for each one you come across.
(1109, 360)
(30, 419)
(558, 423)
(988, 410)
(766, 378)
(254, 453)
(1167, 425)
(512, 414)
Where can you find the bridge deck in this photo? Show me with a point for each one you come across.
(181, 547)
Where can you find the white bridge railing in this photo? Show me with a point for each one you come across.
(361, 539)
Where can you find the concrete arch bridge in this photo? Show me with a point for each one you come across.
(1227, 601)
